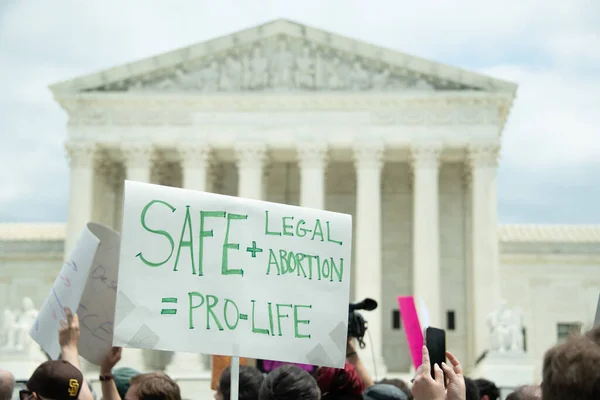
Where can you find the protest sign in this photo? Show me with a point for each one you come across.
(86, 283)
(412, 327)
(214, 274)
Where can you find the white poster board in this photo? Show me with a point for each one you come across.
(87, 283)
(214, 274)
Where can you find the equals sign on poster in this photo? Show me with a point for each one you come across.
(169, 311)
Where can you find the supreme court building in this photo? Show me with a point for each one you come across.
(296, 115)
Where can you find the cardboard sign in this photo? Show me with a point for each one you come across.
(87, 283)
(214, 274)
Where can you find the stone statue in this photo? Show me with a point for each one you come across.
(306, 70)
(333, 77)
(15, 330)
(359, 77)
(208, 78)
(506, 330)
(381, 79)
(282, 66)
(259, 70)
(8, 332)
(231, 74)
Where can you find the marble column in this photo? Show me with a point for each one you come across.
(312, 163)
(81, 190)
(138, 162)
(195, 166)
(368, 161)
(105, 191)
(250, 162)
(485, 273)
(426, 232)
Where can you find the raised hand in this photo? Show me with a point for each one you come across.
(424, 386)
(68, 333)
(110, 360)
(456, 381)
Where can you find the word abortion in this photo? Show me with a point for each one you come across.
(276, 261)
(226, 315)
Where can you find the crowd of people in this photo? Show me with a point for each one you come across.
(571, 371)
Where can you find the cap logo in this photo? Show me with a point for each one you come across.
(73, 387)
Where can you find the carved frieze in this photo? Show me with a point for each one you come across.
(156, 110)
(282, 64)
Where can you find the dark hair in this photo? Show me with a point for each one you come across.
(571, 370)
(289, 382)
(487, 388)
(471, 389)
(526, 392)
(400, 384)
(250, 380)
(156, 386)
(340, 383)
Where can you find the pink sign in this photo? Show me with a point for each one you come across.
(412, 327)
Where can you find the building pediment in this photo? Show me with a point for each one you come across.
(282, 56)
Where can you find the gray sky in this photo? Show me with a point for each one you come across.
(550, 165)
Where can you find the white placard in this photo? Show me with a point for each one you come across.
(214, 274)
(87, 283)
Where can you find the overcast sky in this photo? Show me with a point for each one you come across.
(550, 165)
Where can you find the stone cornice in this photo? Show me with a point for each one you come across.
(545, 258)
(455, 108)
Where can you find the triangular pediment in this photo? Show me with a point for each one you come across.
(282, 56)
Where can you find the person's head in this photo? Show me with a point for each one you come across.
(153, 386)
(487, 389)
(7, 384)
(471, 388)
(384, 391)
(400, 384)
(289, 382)
(55, 380)
(250, 379)
(337, 383)
(526, 393)
(122, 377)
(571, 370)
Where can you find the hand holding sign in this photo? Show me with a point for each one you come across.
(68, 334)
(86, 283)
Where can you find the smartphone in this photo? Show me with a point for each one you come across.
(435, 340)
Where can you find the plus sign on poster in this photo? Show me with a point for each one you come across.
(213, 274)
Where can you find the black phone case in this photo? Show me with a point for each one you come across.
(435, 340)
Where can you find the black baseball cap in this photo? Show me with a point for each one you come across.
(56, 380)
